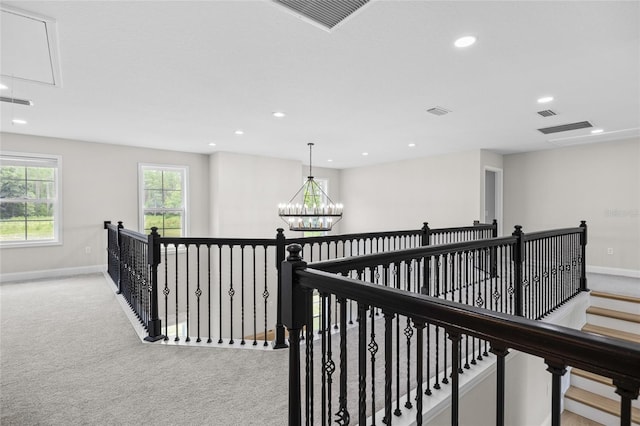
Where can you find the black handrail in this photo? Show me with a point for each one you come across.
(386, 258)
(157, 248)
(558, 346)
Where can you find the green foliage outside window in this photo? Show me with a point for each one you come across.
(27, 203)
(163, 203)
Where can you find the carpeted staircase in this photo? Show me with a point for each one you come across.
(593, 396)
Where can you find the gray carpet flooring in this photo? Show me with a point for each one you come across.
(69, 356)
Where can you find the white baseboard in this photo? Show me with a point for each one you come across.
(632, 273)
(51, 273)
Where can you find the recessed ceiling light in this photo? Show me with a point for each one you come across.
(18, 121)
(3, 87)
(411, 145)
(545, 99)
(239, 132)
(212, 144)
(365, 153)
(330, 160)
(465, 41)
(279, 114)
(596, 131)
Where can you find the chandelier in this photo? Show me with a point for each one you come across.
(310, 209)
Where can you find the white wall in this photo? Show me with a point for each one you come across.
(599, 183)
(99, 182)
(528, 405)
(442, 190)
(246, 191)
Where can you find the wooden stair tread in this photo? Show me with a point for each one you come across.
(602, 294)
(625, 316)
(604, 331)
(592, 376)
(600, 402)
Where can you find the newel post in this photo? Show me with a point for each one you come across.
(518, 259)
(426, 271)
(583, 249)
(281, 243)
(293, 317)
(154, 325)
(120, 262)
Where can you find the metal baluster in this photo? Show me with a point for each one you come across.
(265, 297)
(231, 293)
(467, 270)
(373, 350)
(255, 301)
(342, 416)
(323, 344)
(419, 325)
(198, 292)
(557, 371)
(309, 356)
(330, 365)
(455, 347)
(242, 342)
(166, 292)
(177, 323)
(428, 390)
(501, 353)
(188, 339)
(362, 363)
(397, 411)
(209, 290)
(388, 366)
(408, 333)
(220, 293)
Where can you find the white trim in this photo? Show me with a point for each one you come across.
(57, 215)
(632, 273)
(51, 28)
(185, 193)
(51, 273)
(499, 196)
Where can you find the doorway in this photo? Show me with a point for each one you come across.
(493, 196)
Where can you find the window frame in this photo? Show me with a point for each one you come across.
(184, 170)
(57, 239)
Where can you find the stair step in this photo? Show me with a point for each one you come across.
(597, 384)
(600, 402)
(592, 376)
(604, 331)
(622, 297)
(625, 316)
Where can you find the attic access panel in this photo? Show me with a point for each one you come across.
(29, 47)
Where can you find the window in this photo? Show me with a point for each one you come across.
(29, 199)
(163, 199)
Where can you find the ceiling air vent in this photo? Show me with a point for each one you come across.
(565, 127)
(16, 101)
(547, 113)
(326, 13)
(438, 111)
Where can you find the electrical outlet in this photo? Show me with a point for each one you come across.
(87, 249)
(610, 250)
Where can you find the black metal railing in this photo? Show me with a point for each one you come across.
(332, 391)
(490, 273)
(228, 289)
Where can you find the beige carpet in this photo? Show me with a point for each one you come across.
(69, 356)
